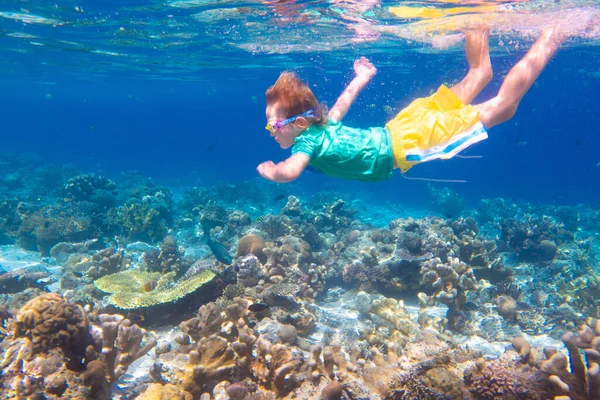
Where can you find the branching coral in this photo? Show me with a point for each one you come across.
(287, 258)
(44, 228)
(532, 237)
(237, 220)
(334, 216)
(506, 378)
(139, 221)
(170, 258)
(223, 348)
(582, 382)
(410, 386)
(135, 289)
(92, 188)
(394, 311)
(274, 366)
(103, 262)
(146, 217)
(213, 216)
(275, 226)
(122, 344)
(292, 207)
(9, 220)
(476, 251)
(447, 279)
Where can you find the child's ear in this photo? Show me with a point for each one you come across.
(301, 123)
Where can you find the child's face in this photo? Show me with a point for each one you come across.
(286, 134)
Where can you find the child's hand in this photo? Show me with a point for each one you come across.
(364, 68)
(267, 170)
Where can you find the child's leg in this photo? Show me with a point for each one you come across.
(480, 67)
(520, 78)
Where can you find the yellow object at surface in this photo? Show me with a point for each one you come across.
(432, 12)
(415, 12)
(430, 122)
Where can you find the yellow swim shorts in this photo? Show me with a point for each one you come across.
(435, 127)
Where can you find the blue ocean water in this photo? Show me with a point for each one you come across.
(175, 90)
(141, 252)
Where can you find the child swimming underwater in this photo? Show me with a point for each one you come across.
(435, 127)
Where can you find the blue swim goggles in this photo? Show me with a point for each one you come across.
(277, 125)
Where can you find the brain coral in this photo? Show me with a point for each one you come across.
(136, 289)
(49, 321)
(252, 244)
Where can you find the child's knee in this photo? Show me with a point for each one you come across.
(496, 111)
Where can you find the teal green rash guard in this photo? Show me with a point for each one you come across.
(348, 153)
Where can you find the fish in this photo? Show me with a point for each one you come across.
(209, 148)
(337, 206)
(219, 251)
(403, 255)
(519, 141)
(280, 196)
(258, 307)
(136, 317)
(149, 286)
(261, 218)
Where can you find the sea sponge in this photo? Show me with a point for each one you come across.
(333, 391)
(49, 321)
(129, 288)
(507, 307)
(252, 244)
(156, 391)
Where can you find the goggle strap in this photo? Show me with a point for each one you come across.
(305, 114)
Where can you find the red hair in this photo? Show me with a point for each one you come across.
(294, 97)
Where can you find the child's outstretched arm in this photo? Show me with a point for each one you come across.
(285, 171)
(364, 72)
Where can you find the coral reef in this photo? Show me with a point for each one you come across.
(169, 257)
(18, 280)
(145, 216)
(448, 201)
(252, 244)
(42, 229)
(136, 289)
(92, 188)
(49, 321)
(533, 238)
(122, 344)
(312, 303)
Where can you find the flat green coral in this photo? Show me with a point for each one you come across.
(128, 287)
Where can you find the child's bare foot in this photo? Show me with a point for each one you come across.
(478, 54)
(480, 67)
(553, 36)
